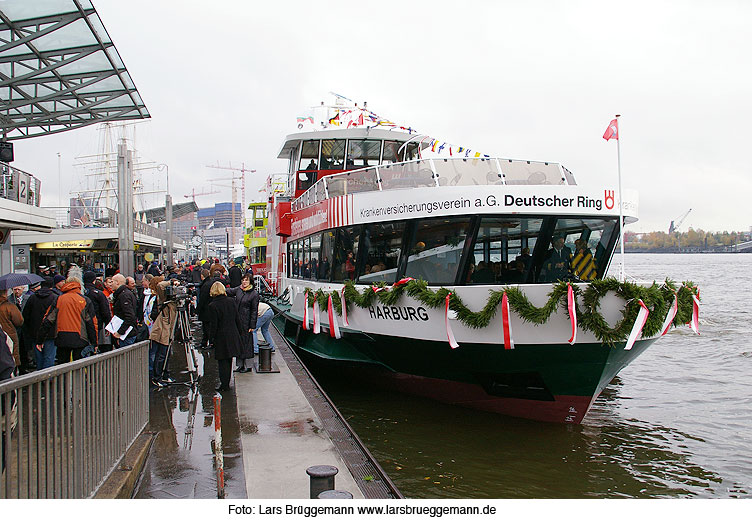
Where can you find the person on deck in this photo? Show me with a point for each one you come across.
(556, 263)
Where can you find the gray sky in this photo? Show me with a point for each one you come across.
(225, 80)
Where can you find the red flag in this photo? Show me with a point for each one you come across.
(612, 132)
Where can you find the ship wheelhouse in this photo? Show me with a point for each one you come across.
(312, 156)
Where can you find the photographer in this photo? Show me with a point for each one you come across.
(164, 314)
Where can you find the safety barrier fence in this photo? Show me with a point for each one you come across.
(66, 428)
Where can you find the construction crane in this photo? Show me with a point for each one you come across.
(193, 194)
(241, 177)
(675, 224)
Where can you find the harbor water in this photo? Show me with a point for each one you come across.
(677, 422)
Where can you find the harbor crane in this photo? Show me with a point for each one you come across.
(234, 178)
(193, 193)
(675, 224)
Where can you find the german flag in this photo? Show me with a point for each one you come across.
(583, 265)
(335, 120)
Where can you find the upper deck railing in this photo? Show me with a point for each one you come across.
(20, 186)
(435, 173)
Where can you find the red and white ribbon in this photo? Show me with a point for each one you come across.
(670, 315)
(508, 340)
(572, 313)
(305, 311)
(333, 326)
(403, 281)
(450, 336)
(639, 323)
(344, 307)
(316, 315)
(695, 322)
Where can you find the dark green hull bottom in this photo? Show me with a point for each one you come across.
(555, 382)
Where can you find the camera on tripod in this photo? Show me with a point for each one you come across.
(176, 293)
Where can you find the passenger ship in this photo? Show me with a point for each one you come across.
(366, 206)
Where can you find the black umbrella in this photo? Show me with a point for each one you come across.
(8, 281)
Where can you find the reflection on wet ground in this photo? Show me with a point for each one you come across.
(181, 461)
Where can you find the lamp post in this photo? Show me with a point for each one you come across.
(168, 212)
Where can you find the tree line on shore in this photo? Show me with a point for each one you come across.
(692, 240)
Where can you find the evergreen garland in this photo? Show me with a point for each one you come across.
(657, 298)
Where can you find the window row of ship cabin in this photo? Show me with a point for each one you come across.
(457, 250)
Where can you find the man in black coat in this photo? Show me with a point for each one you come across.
(100, 302)
(124, 306)
(203, 302)
(556, 264)
(34, 310)
(195, 274)
(235, 274)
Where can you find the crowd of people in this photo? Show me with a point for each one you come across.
(65, 318)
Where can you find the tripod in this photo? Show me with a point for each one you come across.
(182, 329)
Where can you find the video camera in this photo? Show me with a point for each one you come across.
(174, 293)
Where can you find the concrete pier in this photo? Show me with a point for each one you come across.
(282, 435)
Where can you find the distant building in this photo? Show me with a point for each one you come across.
(215, 223)
(185, 225)
(221, 216)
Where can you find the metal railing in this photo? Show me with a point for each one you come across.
(64, 429)
(80, 217)
(450, 172)
(17, 185)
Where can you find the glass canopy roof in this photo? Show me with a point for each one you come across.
(59, 69)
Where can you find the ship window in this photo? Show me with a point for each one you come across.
(382, 250)
(411, 151)
(391, 152)
(295, 258)
(309, 157)
(579, 249)
(362, 153)
(289, 260)
(436, 249)
(327, 253)
(305, 258)
(498, 257)
(308, 167)
(315, 246)
(332, 154)
(346, 254)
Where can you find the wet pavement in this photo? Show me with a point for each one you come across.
(181, 461)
